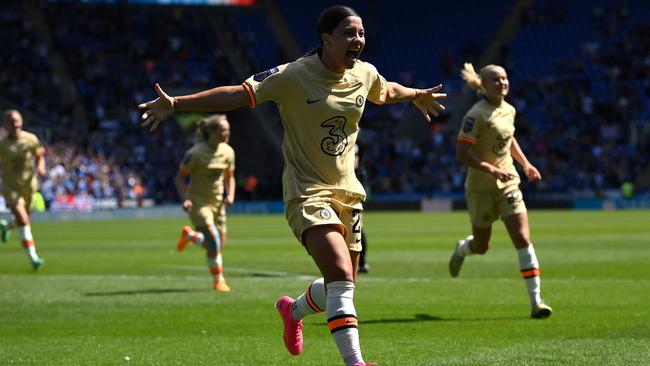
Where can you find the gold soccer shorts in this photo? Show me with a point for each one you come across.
(340, 210)
(204, 215)
(20, 196)
(485, 207)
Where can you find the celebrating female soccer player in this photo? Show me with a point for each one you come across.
(210, 165)
(487, 145)
(321, 97)
(18, 151)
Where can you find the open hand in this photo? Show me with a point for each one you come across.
(427, 101)
(157, 110)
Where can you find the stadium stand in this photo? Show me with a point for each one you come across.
(583, 103)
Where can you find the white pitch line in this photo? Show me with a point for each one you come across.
(103, 277)
(263, 272)
(307, 277)
(371, 278)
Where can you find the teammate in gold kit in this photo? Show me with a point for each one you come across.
(21, 158)
(210, 167)
(487, 146)
(320, 97)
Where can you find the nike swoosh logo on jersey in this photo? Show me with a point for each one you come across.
(309, 101)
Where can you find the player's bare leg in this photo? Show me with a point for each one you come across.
(477, 243)
(212, 246)
(339, 268)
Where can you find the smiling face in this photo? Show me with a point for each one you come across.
(495, 82)
(342, 48)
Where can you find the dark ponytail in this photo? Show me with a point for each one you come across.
(328, 20)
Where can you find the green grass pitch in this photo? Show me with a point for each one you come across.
(117, 293)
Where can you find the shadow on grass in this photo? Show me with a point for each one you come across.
(416, 318)
(430, 318)
(140, 292)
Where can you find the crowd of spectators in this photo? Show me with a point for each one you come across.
(587, 132)
(26, 66)
(99, 148)
(74, 173)
(583, 141)
(115, 59)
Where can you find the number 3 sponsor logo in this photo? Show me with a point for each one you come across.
(501, 146)
(337, 140)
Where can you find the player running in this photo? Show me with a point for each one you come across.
(487, 146)
(321, 98)
(210, 167)
(21, 159)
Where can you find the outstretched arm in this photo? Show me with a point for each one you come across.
(220, 99)
(529, 169)
(425, 99)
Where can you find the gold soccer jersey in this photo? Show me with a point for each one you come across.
(320, 112)
(17, 160)
(206, 167)
(490, 129)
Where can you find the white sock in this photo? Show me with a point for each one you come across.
(312, 301)
(530, 271)
(215, 264)
(27, 240)
(195, 237)
(220, 264)
(464, 248)
(342, 320)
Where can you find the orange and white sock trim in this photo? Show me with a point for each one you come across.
(530, 273)
(343, 321)
(28, 243)
(311, 301)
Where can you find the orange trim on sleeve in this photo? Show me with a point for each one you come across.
(40, 152)
(466, 139)
(183, 170)
(250, 94)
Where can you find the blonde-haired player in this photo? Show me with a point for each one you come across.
(210, 167)
(487, 145)
(21, 158)
(320, 97)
